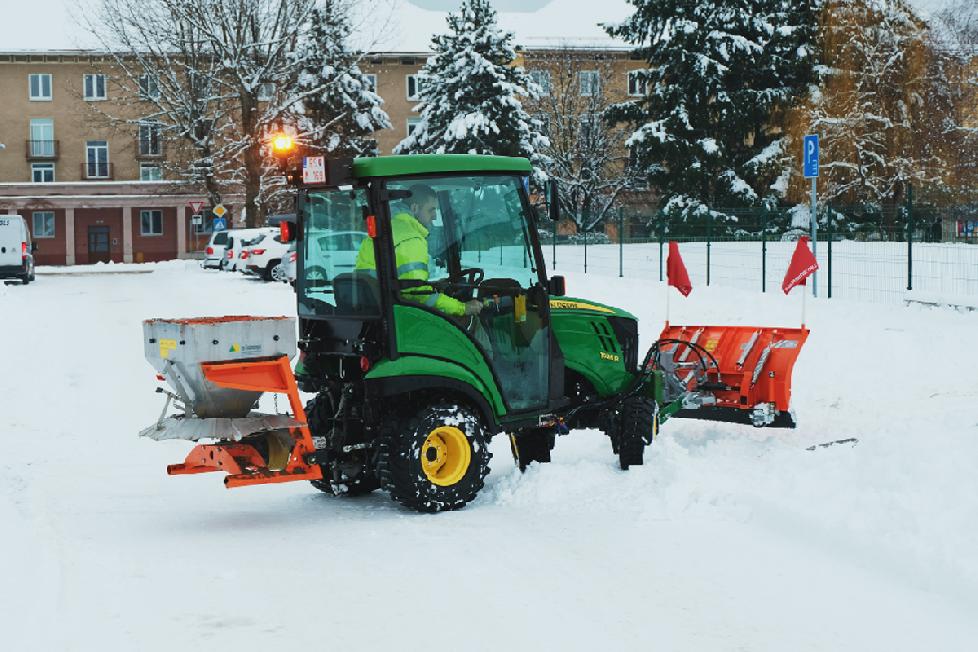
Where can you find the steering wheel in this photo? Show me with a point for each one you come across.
(471, 275)
(316, 277)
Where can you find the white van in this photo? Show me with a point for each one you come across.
(16, 249)
(216, 251)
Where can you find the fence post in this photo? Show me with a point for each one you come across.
(621, 242)
(764, 220)
(709, 238)
(585, 249)
(661, 228)
(909, 237)
(828, 207)
(554, 259)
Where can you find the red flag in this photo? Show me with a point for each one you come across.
(676, 271)
(803, 265)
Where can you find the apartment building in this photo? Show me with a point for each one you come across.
(605, 72)
(94, 188)
(91, 188)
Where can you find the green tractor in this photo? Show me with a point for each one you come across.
(419, 359)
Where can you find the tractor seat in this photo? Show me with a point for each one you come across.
(357, 293)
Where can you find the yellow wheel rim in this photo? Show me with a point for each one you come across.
(445, 456)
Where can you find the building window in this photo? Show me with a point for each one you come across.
(641, 181)
(589, 83)
(542, 79)
(371, 82)
(412, 124)
(150, 172)
(43, 224)
(544, 123)
(149, 139)
(40, 87)
(637, 83)
(95, 87)
(266, 92)
(149, 88)
(151, 222)
(415, 87)
(97, 159)
(42, 172)
(42, 138)
(589, 129)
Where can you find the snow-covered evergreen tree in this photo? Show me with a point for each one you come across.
(344, 110)
(470, 94)
(719, 73)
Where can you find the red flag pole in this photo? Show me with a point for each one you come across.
(804, 293)
(668, 292)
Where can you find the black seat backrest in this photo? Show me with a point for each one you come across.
(357, 293)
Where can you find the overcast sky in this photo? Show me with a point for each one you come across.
(50, 24)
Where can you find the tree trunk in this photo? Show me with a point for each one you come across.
(252, 162)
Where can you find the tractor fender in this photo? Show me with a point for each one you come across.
(413, 373)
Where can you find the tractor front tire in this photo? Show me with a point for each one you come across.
(434, 458)
(636, 427)
(340, 478)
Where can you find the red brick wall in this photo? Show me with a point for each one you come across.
(151, 248)
(110, 217)
(50, 251)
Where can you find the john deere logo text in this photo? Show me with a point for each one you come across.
(609, 357)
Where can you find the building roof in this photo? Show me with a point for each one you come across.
(391, 166)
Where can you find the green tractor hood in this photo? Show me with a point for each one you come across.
(570, 305)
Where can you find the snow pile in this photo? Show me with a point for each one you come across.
(728, 537)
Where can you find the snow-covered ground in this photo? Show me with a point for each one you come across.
(728, 538)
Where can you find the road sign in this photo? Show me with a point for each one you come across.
(195, 206)
(197, 219)
(314, 169)
(810, 158)
(220, 224)
(219, 210)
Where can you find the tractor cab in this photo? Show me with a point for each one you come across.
(426, 270)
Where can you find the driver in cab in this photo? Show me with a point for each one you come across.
(410, 232)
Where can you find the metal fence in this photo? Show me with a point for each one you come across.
(905, 252)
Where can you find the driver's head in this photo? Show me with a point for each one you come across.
(423, 203)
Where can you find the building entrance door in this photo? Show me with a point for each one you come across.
(98, 244)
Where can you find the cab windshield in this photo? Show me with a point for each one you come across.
(333, 234)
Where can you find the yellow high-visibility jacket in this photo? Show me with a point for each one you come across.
(411, 257)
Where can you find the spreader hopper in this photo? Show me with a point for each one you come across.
(217, 369)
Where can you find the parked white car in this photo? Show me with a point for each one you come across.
(337, 253)
(264, 256)
(216, 251)
(238, 242)
(288, 266)
(16, 249)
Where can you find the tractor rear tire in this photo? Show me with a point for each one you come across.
(339, 478)
(532, 445)
(434, 458)
(636, 427)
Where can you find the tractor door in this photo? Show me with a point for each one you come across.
(479, 249)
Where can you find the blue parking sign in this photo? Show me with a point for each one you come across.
(220, 224)
(810, 158)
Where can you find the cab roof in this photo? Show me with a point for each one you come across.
(402, 165)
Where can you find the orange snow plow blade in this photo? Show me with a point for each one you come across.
(242, 461)
(751, 379)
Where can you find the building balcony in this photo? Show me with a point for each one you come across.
(43, 150)
(97, 171)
